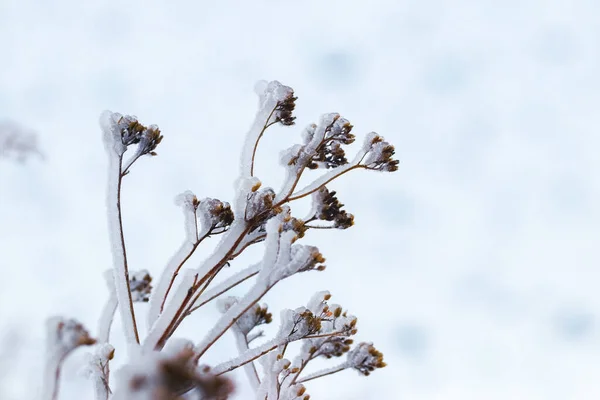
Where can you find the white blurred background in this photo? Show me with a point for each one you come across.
(474, 268)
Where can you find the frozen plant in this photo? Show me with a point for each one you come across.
(161, 367)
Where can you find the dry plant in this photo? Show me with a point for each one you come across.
(159, 367)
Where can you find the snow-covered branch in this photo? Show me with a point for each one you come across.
(63, 336)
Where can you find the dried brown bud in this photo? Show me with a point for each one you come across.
(285, 109)
(139, 284)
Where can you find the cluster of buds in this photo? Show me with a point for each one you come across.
(365, 358)
(255, 316)
(334, 346)
(164, 375)
(133, 132)
(329, 153)
(139, 284)
(327, 207)
(285, 108)
(296, 225)
(260, 202)
(65, 336)
(380, 155)
(307, 258)
(333, 320)
(215, 215)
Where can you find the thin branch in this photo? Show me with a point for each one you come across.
(231, 316)
(242, 344)
(209, 268)
(118, 249)
(323, 180)
(324, 372)
(224, 286)
(265, 126)
(249, 356)
(52, 377)
(319, 226)
(108, 312)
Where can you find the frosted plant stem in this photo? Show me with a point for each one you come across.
(241, 342)
(176, 307)
(224, 286)
(253, 136)
(51, 377)
(249, 356)
(162, 324)
(100, 389)
(118, 249)
(167, 278)
(106, 319)
(322, 181)
(324, 372)
(231, 317)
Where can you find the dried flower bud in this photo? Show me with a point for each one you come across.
(150, 139)
(139, 284)
(308, 322)
(164, 375)
(329, 153)
(255, 316)
(327, 207)
(133, 132)
(215, 215)
(285, 108)
(380, 155)
(66, 335)
(296, 225)
(260, 202)
(334, 346)
(365, 358)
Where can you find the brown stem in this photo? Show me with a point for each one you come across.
(125, 267)
(176, 272)
(174, 322)
(265, 126)
(191, 310)
(324, 373)
(292, 198)
(233, 321)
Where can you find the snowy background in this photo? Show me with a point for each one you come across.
(474, 268)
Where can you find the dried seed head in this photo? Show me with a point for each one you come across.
(285, 108)
(365, 358)
(139, 284)
(380, 155)
(328, 208)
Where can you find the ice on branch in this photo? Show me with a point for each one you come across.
(62, 337)
(65, 335)
(380, 153)
(276, 104)
(97, 369)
